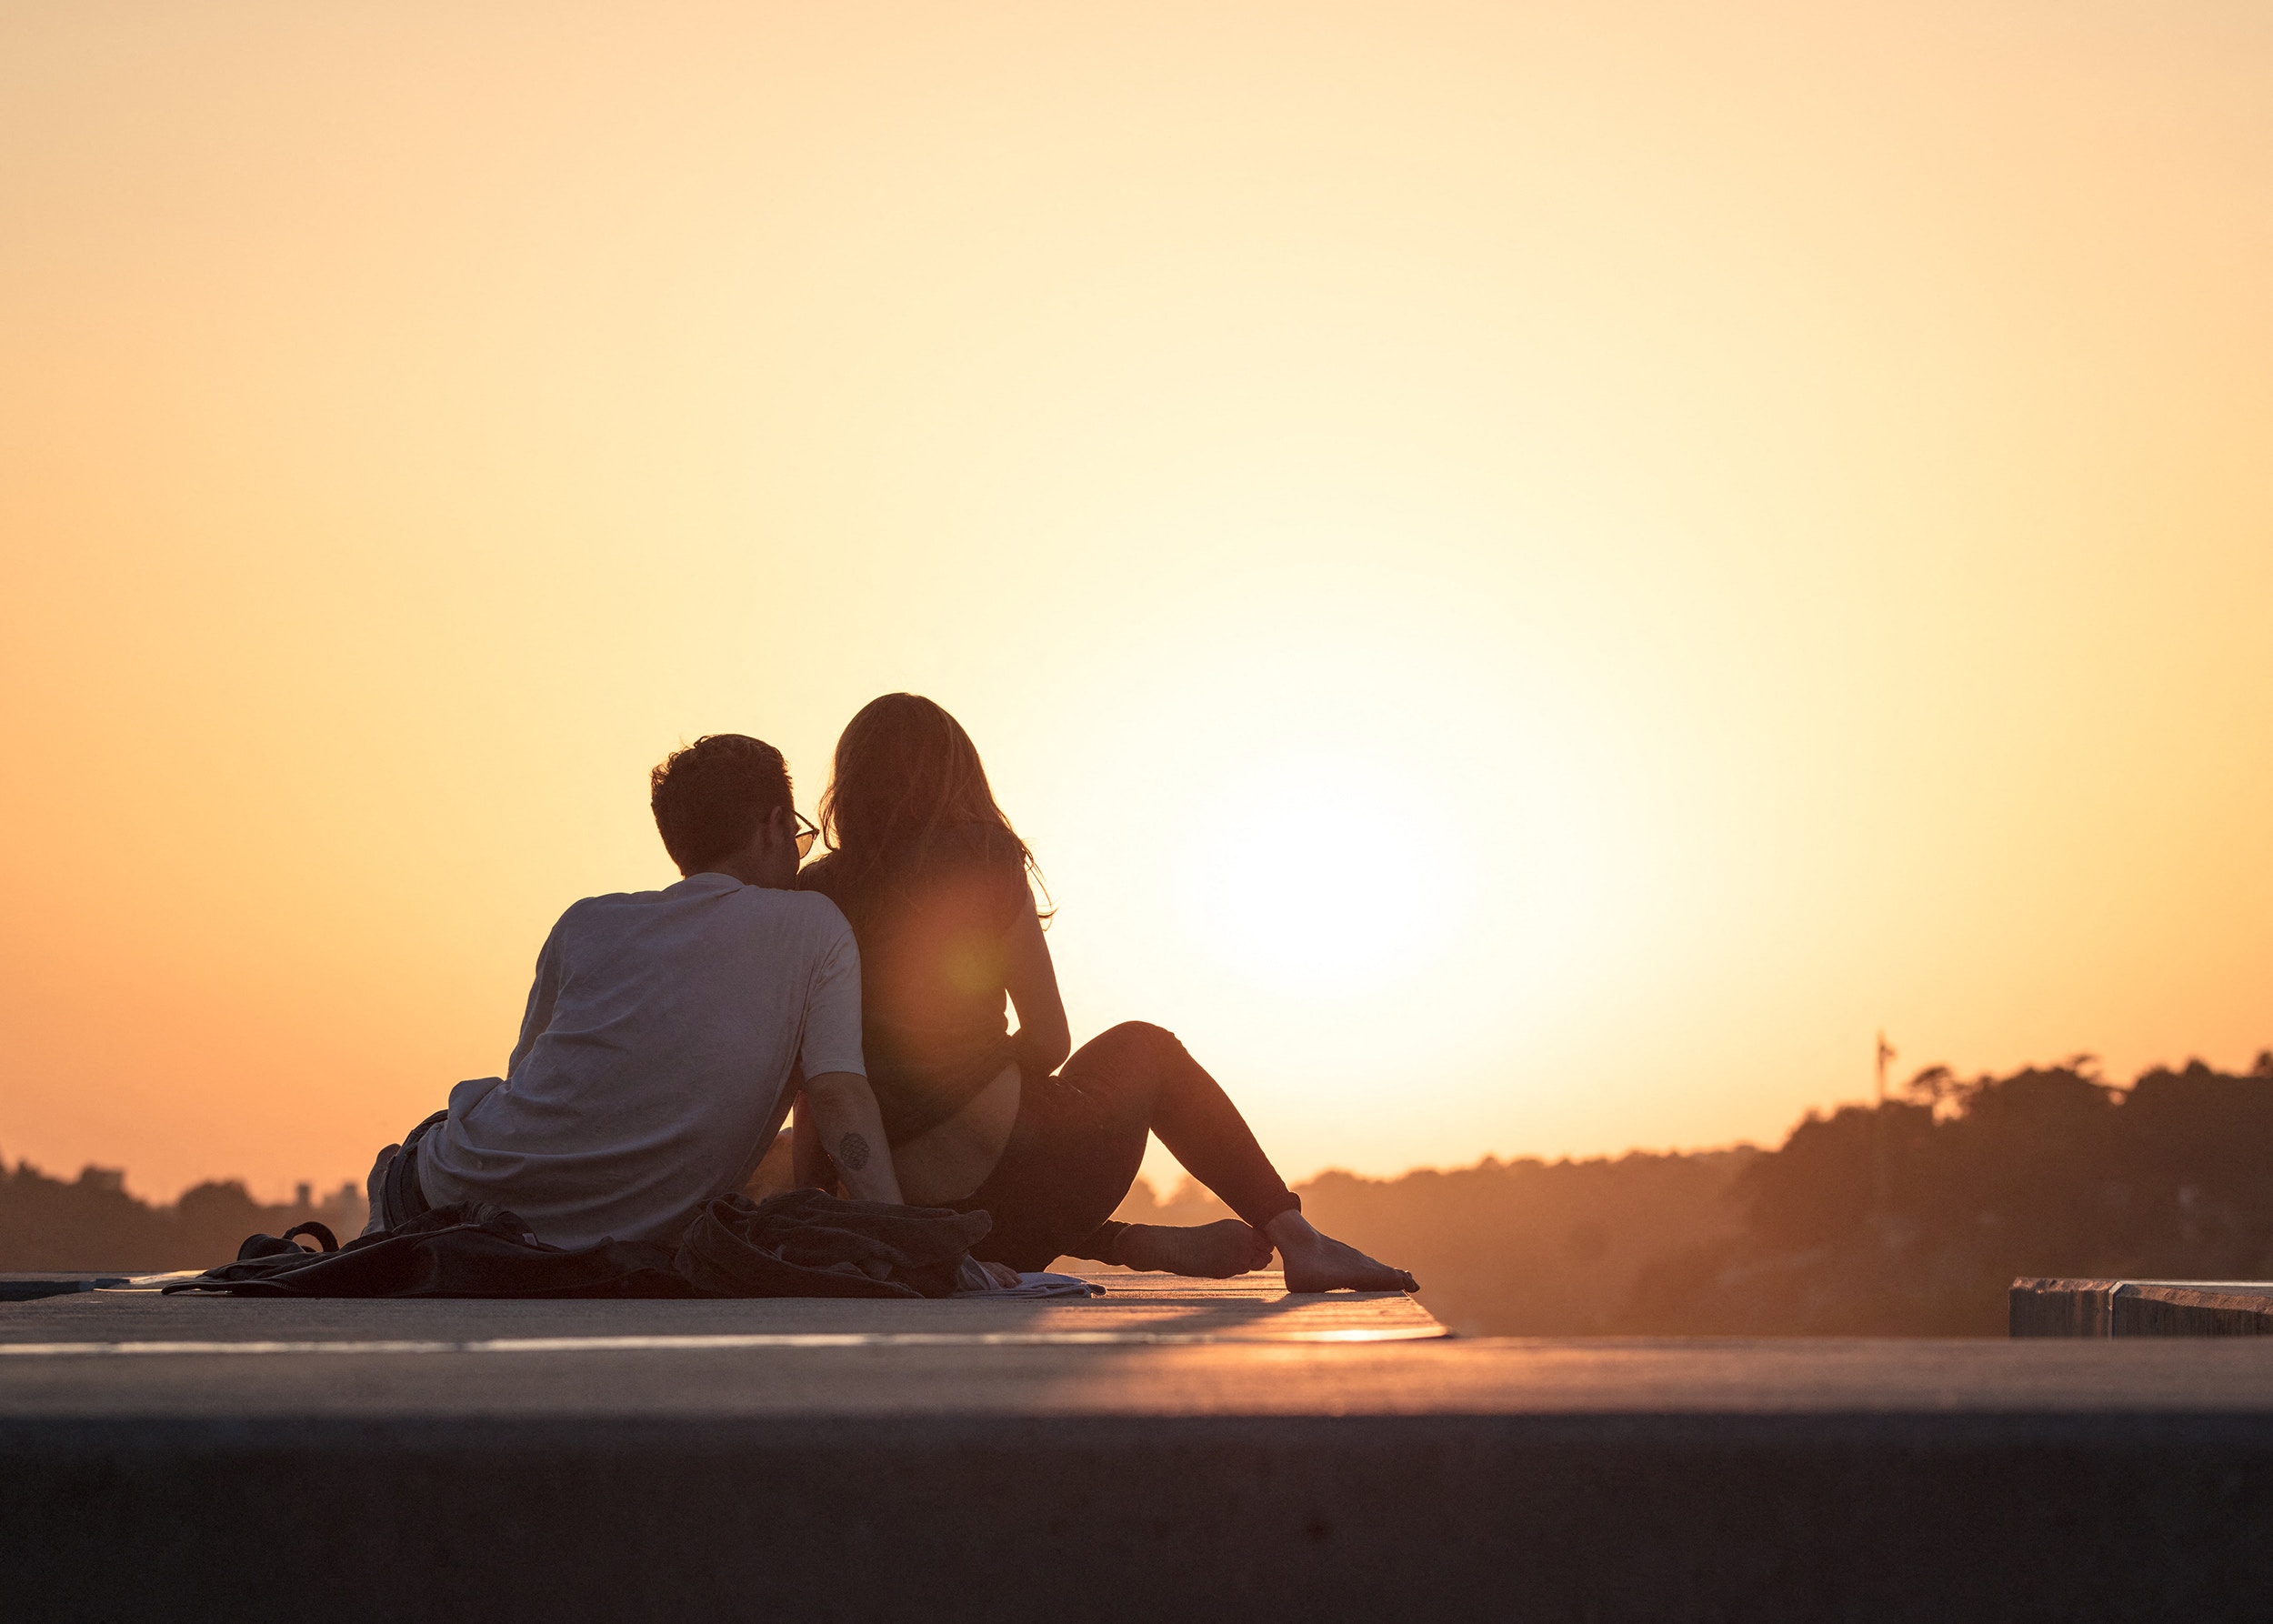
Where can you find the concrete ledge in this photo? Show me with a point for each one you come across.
(2057, 1307)
(30, 1285)
(1600, 1516)
(1173, 1454)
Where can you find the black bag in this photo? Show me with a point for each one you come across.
(465, 1249)
(800, 1244)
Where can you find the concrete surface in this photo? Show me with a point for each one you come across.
(2074, 1307)
(1138, 1308)
(874, 1460)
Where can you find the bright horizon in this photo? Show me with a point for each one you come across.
(1533, 578)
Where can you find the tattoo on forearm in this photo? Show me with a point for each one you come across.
(852, 1152)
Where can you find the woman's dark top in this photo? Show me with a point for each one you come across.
(932, 919)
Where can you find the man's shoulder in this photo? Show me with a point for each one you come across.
(766, 907)
(794, 932)
(811, 910)
(605, 902)
(808, 913)
(612, 913)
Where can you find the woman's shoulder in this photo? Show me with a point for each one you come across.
(820, 875)
(997, 866)
(980, 844)
(968, 869)
(952, 851)
(987, 860)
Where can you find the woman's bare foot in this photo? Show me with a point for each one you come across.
(1316, 1262)
(1215, 1251)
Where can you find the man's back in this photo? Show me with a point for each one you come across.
(661, 1033)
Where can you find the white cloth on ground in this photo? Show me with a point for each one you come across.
(1043, 1284)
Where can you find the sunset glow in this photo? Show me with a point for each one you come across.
(1533, 575)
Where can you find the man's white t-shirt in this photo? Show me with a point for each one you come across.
(655, 1059)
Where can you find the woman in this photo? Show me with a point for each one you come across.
(934, 879)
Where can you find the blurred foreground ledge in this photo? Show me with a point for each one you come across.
(2052, 1308)
(1177, 1450)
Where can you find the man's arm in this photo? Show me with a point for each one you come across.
(808, 1161)
(851, 1130)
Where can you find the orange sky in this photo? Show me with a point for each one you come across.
(1533, 574)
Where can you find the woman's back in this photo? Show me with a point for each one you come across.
(932, 918)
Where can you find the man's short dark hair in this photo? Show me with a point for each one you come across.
(710, 797)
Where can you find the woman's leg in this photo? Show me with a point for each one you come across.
(1153, 1078)
(1204, 1130)
(1075, 1148)
(1072, 1155)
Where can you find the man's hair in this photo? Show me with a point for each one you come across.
(710, 797)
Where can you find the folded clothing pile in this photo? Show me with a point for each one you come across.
(803, 1243)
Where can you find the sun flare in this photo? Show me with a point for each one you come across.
(1303, 882)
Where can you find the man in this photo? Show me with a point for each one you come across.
(666, 1034)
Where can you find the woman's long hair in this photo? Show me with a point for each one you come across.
(904, 775)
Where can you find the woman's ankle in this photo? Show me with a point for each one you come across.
(1104, 1245)
(1290, 1228)
(1317, 1262)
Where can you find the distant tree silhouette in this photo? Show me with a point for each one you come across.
(1516, 1249)
(2049, 1171)
(92, 1223)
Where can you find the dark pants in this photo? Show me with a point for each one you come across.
(1079, 1138)
(400, 1197)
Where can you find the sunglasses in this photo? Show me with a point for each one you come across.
(807, 833)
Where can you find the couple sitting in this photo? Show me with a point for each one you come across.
(669, 1033)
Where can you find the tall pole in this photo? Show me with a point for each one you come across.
(1881, 1181)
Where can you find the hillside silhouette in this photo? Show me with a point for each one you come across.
(93, 1223)
(1907, 1219)
(2049, 1171)
(1517, 1248)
